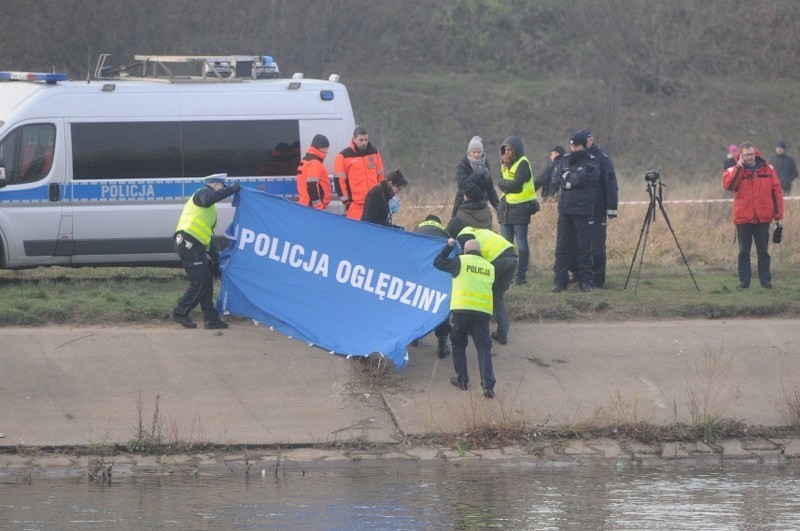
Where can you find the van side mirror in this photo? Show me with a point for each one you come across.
(3, 180)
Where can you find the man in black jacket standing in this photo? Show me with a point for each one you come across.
(575, 179)
(606, 198)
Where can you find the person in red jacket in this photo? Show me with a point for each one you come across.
(757, 200)
(356, 170)
(313, 183)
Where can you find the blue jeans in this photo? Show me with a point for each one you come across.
(747, 233)
(520, 234)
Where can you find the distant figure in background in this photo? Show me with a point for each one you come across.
(757, 200)
(730, 157)
(377, 204)
(313, 183)
(785, 166)
(356, 170)
(543, 181)
(576, 179)
(474, 169)
(606, 199)
(519, 201)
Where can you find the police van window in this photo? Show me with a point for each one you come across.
(27, 153)
(151, 150)
(126, 150)
(241, 148)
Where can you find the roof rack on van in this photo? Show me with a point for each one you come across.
(179, 67)
(49, 78)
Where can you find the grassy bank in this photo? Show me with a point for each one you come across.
(91, 296)
(146, 295)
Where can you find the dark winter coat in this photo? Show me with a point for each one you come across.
(376, 204)
(575, 180)
(480, 176)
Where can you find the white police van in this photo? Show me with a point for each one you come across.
(95, 173)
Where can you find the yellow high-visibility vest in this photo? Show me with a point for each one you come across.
(472, 288)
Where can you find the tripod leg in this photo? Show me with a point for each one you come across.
(645, 225)
(666, 218)
(644, 246)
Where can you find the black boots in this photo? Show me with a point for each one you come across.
(444, 349)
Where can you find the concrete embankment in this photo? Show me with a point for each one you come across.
(249, 386)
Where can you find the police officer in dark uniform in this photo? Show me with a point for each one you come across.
(575, 181)
(432, 226)
(606, 197)
(471, 306)
(198, 254)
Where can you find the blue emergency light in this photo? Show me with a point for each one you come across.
(49, 78)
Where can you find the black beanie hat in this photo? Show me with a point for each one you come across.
(320, 141)
(473, 192)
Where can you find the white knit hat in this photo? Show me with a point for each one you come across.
(475, 143)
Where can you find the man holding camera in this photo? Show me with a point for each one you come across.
(757, 200)
(575, 179)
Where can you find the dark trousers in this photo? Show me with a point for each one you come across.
(504, 268)
(443, 330)
(574, 248)
(748, 233)
(475, 325)
(519, 234)
(599, 248)
(200, 290)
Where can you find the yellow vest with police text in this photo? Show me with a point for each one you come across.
(472, 288)
(528, 192)
(198, 221)
(492, 244)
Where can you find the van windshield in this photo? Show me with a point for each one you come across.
(27, 153)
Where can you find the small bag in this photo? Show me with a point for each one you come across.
(535, 206)
(777, 234)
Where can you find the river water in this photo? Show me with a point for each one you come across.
(414, 495)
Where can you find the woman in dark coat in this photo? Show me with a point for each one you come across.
(474, 169)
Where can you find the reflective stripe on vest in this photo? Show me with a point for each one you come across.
(492, 244)
(431, 223)
(472, 288)
(528, 192)
(198, 221)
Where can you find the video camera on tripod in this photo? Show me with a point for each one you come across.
(652, 176)
(655, 191)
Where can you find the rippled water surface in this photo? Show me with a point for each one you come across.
(423, 495)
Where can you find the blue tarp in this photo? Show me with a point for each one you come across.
(346, 286)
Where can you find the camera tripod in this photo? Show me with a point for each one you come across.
(655, 191)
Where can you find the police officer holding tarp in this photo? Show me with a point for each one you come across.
(432, 226)
(198, 254)
(501, 254)
(471, 307)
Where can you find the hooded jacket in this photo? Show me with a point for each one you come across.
(758, 197)
(516, 213)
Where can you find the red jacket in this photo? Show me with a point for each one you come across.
(758, 196)
(354, 174)
(313, 183)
